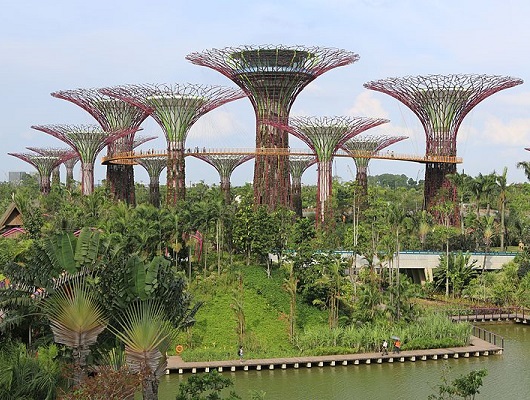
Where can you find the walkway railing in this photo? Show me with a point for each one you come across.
(486, 313)
(490, 337)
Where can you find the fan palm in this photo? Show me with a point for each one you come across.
(147, 334)
(76, 319)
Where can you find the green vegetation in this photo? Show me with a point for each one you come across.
(200, 275)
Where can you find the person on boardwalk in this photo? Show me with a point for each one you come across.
(240, 353)
(384, 348)
(397, 346)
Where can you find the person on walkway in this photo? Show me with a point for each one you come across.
(240, 353)
(397, 346)
(384, 348)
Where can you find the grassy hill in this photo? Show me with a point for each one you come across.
(265, 306)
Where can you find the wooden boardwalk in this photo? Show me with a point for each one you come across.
(477, 348)
(493, 317)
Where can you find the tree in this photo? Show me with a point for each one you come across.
(206, 387)
(76, 320)
(465, 386)
(147, 334)
(502, 185)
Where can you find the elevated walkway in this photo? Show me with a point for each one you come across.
(130, 157)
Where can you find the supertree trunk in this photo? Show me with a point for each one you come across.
(56, 176)
(154, 166)
(272, 186)
(296, 195)
(70, 164)
(361, 177)
(87, 178)
(298, 164)
(324, 187)
(225, 190)
(176, 176)
(154, 191)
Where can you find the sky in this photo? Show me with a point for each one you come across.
(46, 46)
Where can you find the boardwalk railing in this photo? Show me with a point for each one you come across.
(486, 313)
(488, 336)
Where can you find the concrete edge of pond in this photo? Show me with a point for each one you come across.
(477, 348)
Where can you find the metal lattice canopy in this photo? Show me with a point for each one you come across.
(62, 153)
(111, 113)
(153, 165)
(175, 107)
(225, 164)
(44, 165)
(298, 165)
(325, 135)
(272, 76)
(442, 101)
(366, 145)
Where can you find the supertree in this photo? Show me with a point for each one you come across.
(225, 164)
(272, 77)
(63, 154)
(361, 148)
(154, 167)
(44, 166)
(87, 141)
(297, 166)
(175, 108)
(113, 115)
(441, 102)
(325, 135)
(70, 164)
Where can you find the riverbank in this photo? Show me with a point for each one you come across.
(477, 348)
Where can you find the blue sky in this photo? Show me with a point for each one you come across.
(53, 45)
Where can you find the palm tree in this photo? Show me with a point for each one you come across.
(76, 320)
(525, 165)
(147, 334)
(502, 185)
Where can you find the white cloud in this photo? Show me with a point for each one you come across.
(366, 105)
(515, 132)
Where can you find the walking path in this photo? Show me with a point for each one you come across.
(477, 348)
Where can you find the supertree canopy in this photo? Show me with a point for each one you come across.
(361, 148)
(441, 102)
(113, 115)
(225, 164)
(44, 166)
(175, 108)
(297, 165)
(272, 77)
(154, 167)
(325, 135)
(63, 154)
(87, 141)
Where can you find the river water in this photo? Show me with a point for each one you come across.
(508, 376)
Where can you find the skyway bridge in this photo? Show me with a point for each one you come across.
(131, 157)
